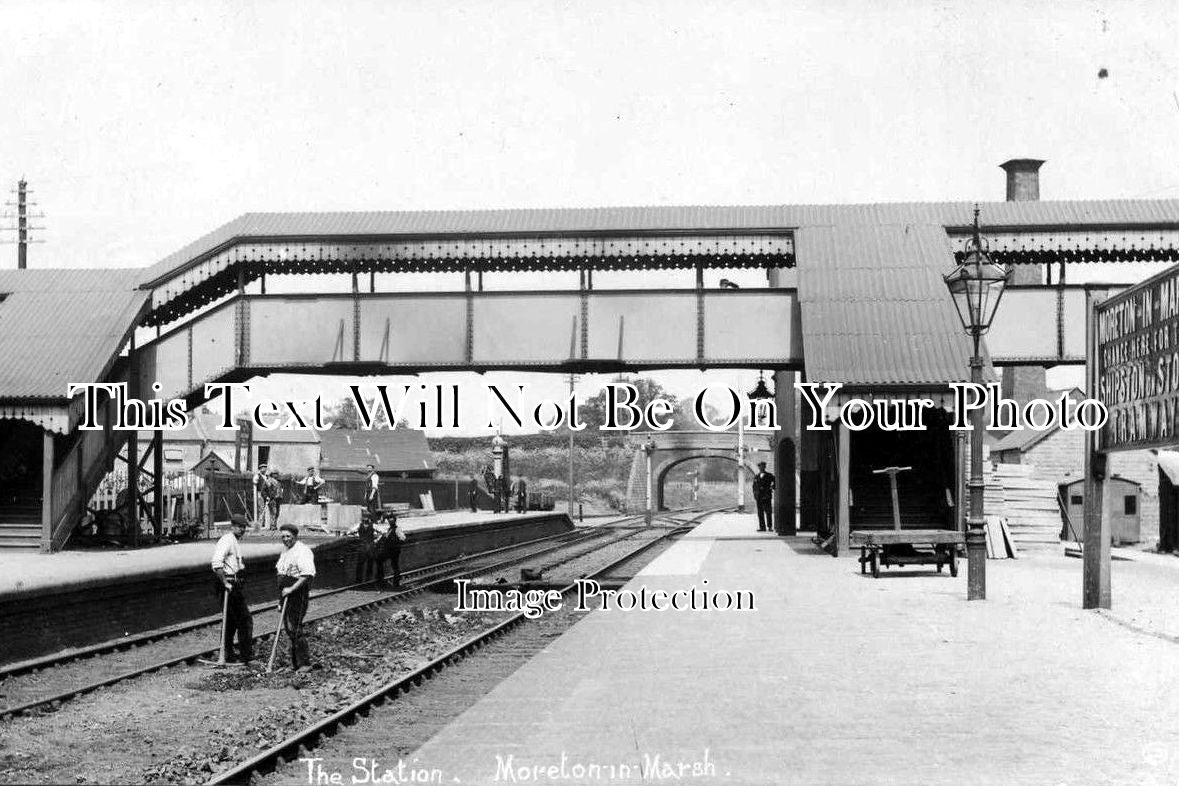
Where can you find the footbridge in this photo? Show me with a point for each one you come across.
(851, 294)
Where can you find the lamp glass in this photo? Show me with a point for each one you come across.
(976, 287)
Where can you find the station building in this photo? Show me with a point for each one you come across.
(853, 294)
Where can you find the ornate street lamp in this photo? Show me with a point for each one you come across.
(759, 393)
(976, 286)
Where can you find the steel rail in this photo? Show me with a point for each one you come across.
(306, 739)
(57, 699)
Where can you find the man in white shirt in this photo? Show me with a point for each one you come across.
(230, 570)
(311, 484)
(372, 494)
(296, 569)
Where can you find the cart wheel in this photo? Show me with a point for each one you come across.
(954, 562)
(875, 566)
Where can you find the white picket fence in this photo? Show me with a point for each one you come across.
(183, 493)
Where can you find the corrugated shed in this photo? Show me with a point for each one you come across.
(875, 310)
(622, 220)
(62, 326)
(396, 450)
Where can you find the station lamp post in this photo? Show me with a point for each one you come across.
(649, 449)
(759, 393)
(976, 286)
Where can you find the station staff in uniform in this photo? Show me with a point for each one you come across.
(368, 560)
(390, 549)
(230, 570)
(296, 569)
(763, 492)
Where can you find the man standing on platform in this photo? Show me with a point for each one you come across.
(274, 492)
(230, 570)
(473, 495)
(261, 480)
(372, 492)
(296, 569)
(311, 484)
(763, 492)
(520, 492)
(368, 558)
(390, 549)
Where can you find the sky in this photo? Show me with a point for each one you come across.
(142, 126)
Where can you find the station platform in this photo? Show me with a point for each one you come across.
(71, 599)
(839, 678)
(22, 572)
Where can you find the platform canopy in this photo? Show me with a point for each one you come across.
(875, 313)
(58, 327)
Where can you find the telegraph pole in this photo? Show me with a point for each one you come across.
(22, 227)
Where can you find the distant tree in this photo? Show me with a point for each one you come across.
(345, 414)
(593, 411)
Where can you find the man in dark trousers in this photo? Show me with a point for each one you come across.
(230, 570)
(368, 560)
(473, 495)
(520, 491)
(390, 549)
(763, 492)
(296, 569)
(372, 492)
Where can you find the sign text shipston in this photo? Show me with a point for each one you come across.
(1138, 364)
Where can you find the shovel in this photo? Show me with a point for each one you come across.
(282, 615)
(224, 624)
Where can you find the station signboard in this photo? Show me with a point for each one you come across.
(1135, 364)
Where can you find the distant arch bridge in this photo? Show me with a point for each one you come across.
(669, 449)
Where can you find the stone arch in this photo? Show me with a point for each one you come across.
(675, 447)
(660, 474)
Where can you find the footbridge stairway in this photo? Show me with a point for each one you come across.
(40, 516)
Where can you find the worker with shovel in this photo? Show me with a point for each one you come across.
(235, 613)
(296, 568)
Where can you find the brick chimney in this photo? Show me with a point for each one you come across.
(1023, 179)
(1024, 383)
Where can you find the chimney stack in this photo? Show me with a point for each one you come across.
(1023, 179)
(1024, 383)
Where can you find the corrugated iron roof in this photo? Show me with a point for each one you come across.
(62, 326)
(693, 218)
(1025, 439)
(874, 307)
(389, 450)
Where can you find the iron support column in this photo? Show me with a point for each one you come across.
(976, 539)
(740, 464)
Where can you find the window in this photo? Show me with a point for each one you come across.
(263, 454)
(1076, 499)
(173, 454)
(1130, 504)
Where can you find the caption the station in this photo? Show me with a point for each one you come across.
(439, 407)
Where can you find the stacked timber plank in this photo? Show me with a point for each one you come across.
(1028, 503)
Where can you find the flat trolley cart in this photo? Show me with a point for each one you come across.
(899, 547)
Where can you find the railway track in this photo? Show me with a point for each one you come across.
(507, 652)
(50, 682)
